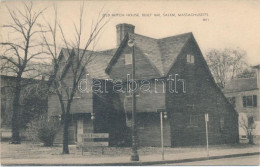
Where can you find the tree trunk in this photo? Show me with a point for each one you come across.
(15, 121)
(250, 139)
(66, 134)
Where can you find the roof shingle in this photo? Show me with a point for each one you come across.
(161, 53)
(240, 85)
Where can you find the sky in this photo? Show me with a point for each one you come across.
(224, 24)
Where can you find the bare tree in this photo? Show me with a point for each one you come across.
(247, 73)
(19, 52)
(225, 64)
(247, 123)
(65, 86)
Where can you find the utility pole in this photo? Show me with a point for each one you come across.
(134, 154)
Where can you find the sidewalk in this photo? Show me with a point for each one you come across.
(152, 159)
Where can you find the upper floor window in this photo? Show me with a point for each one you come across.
(250, 101)
(190, 58)
(128, 59)
(232, 100)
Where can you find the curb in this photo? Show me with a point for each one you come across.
(174, 161)
(146, 163)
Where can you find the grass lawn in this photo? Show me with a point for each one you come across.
(32, 150)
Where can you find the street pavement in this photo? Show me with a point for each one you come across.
(32, 154)
(125, 160)
(246, 160)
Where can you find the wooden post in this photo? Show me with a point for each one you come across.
(161, 117)
(207, 136)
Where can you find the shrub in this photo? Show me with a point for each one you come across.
(42, 130)
(47, 134)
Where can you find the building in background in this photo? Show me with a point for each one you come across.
(243, 94)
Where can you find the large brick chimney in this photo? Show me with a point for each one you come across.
(122, 29)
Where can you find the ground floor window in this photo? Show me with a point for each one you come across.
(250, 121)
(244, 137)
(221, 124)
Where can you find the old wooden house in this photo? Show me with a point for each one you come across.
(243, 93)
(172, 75)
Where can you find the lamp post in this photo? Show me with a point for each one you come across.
(134, 154)
(92, 116)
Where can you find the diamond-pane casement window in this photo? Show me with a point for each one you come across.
(128, 59)
(190, 58)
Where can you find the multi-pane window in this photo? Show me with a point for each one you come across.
(128, 59)
(250, 101)
(190, 58)
(221, 123)
(232, 100)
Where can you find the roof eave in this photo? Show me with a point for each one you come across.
(167, 73)
(113, 60)
(238, 91)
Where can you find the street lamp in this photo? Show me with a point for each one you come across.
(59, 117)
(134, 154)
(92, 116)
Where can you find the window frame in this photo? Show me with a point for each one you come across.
(190, 59)
(253, 101)
(193, 121)
(232, 100)
(250, 121)
(221, 124)
(128, 59)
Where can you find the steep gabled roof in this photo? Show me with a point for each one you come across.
(97, 61)
(151, 50)
(241, 85)
(97, 65)
(170, 48)
(161, 53)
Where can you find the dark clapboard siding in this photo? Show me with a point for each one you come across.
(110, 117)
(72, 134)
(149, 130)
(143, 68)
(145, 101)
(202, 96)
